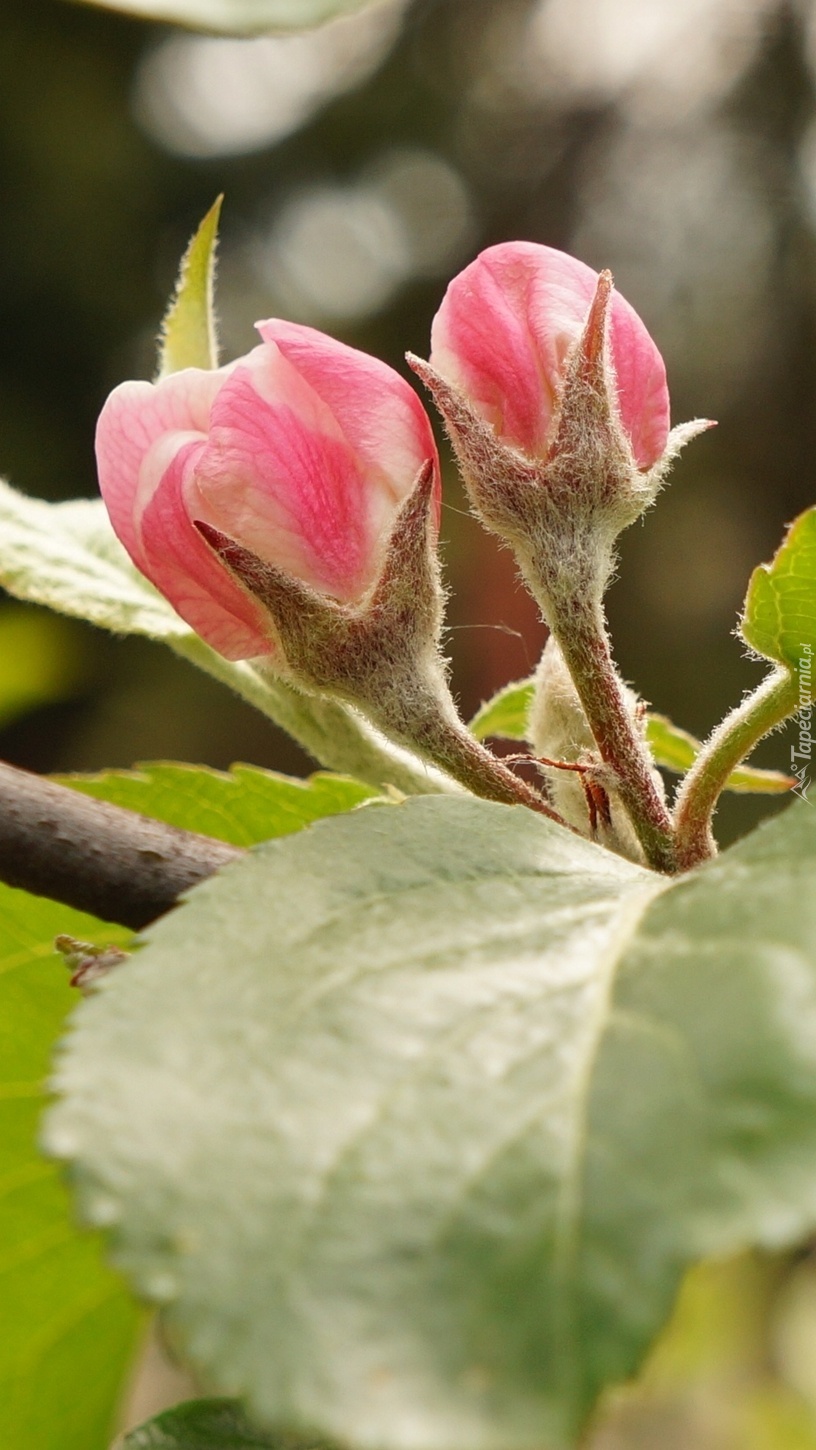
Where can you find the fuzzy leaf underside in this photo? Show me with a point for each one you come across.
(779, 620)
(188, 337)
(414, 1120)
(67, 557)
(237, 17)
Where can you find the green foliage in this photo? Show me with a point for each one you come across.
(779, 621)
(507, 714)
(189, 337)
(237, 17)
(462, 1097)
(242, 806)
(67, 1324)
(677, 750)
(205, 1425)
(67, 557)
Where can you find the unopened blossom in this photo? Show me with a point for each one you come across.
(302, 453)
(503, 337)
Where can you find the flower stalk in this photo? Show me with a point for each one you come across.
(761, 712)
(580, 631)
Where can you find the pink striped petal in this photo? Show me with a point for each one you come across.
(134, 417)
(376, 410)
(147, 442)
(181, 565)
(282, 475)
(503, 332)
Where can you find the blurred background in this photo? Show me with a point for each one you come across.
(671, 140)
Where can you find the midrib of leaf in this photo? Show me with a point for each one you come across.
(570, 1199)
(568, 1218)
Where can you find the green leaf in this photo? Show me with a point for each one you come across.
(68, 1327)
(460, 1097)
(67, 557)
(242, 806)
(779, 621)
(205, 1425)
(237, 17)
(677, 750)
(189, 337)
(507, 714)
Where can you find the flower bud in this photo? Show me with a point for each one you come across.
(556, 402)
(302, 453)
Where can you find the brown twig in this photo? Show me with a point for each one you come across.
(113, 863)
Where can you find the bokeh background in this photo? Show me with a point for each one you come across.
(671, 140)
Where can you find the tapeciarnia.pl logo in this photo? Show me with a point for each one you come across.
(802, 753)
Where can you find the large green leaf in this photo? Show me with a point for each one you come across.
(237, 17)
(242, 806)
(205, 1425)
(67, 1324)
(67, 557)
(779, 621)
(413, 1121)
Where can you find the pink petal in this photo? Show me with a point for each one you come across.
(147, 440)
(504, 329)
(134, 417)
(181, 565)
(281, 475)
(377, 411)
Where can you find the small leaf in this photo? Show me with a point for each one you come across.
(677, 750)
(237, 17)
(779, 622)
(462, 1098)
(188, 337)
(243, 806)
(68, 1326)
(66, 556)
(206, 1425)
(507, 714)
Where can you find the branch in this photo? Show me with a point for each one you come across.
(96, 857)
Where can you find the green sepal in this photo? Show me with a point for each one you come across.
(188, 334)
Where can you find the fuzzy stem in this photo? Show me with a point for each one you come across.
(581, 633)
(771, 703)
(446, 741)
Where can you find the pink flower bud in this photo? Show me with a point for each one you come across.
(302, 452)
(503, 334)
